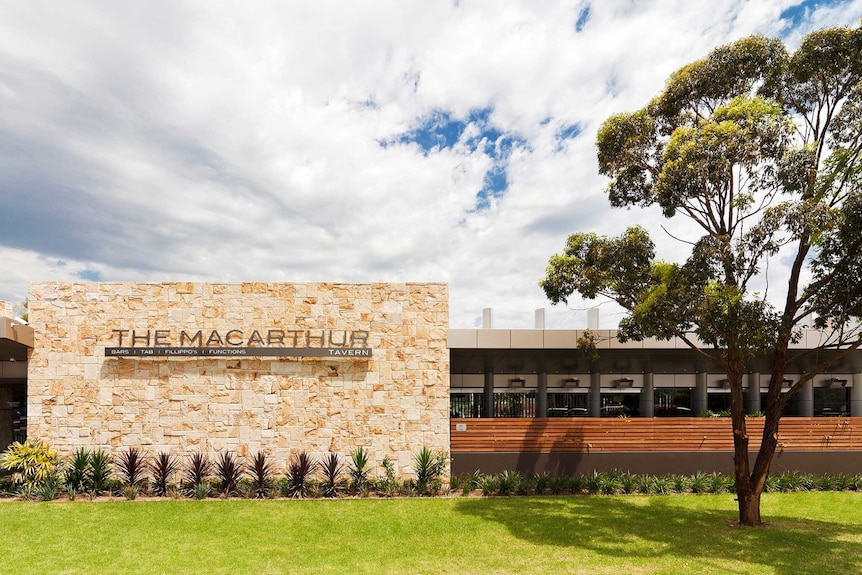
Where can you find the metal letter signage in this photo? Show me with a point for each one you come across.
(237, 343)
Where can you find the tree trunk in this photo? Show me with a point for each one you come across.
(747, 490)
(749, 508)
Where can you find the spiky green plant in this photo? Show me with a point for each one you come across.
(228, 471)
(358, 470)
(508, 482)
(429, 468)
(201, 490)
(699, 483)
(628, 483)
(75, 477)
(48, 489)
(163, 468)
(543, 481)
(32, 463)
(98, 472)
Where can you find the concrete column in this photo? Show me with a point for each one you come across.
(752, 394)
(488, 407)
(856, 396)
(594, 401)
(647, 396)
(699, 397)
(542, 395)
(806, 399)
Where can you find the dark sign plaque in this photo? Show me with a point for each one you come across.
(237, 352)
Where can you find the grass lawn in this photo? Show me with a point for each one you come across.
(808, 533)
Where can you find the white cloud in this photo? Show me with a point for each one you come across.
(217, 141)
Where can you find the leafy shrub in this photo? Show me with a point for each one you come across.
(6, 487)
(508, 482)
(699, 483)
(48, 489)
(526, 486)
(163, 468)
(260, 470)
(457, 483)
(429, 468)
(245, 488)
(281, 486)
(197, 470)
(559, 484)
(228, 473)
(32, 463)
(388, 484)
(131, 466)
(628, 483)
(299, 470)
(490, 485)
(358, 470)
(130, 492)
(720, 483)
(680, 483)
(332, 468)
(201, 490)
(75, 477)
(98, 472)
(542, 482)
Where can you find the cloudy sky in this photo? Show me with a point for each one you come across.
(335, 141)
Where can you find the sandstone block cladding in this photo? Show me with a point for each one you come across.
(391, 403)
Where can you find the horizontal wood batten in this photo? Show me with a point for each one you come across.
(649, 434)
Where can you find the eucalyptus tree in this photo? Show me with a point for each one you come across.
(759, 149)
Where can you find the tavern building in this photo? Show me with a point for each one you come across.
(324, 367)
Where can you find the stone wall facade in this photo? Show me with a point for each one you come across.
(392, 403)
(5, 308)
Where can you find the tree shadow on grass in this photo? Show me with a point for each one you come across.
(645, 528)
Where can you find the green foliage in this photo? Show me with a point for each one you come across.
(543, 482)
(32, 463)
(48, 489)
(358, 470)
(76, 473)
(98, 472)
(388, 484)
(760, 152)
(508, 482)
(429, 468)
(201, 490)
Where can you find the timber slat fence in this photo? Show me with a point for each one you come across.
(648, 434)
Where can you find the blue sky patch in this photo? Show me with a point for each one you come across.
(583, 18)
(795, 15)
(569, 132)
(441, 130)
(89, 275)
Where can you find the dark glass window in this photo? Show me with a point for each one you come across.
(13, 414)
(515, 404)
(672, 402)
(831, 401)
(465, 404)
(567, 405)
